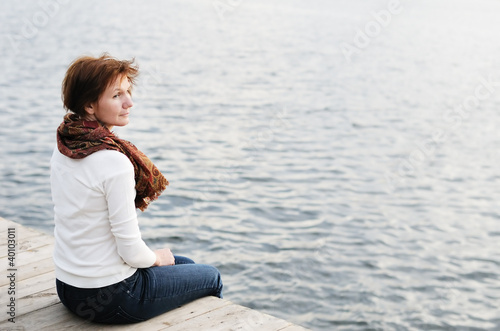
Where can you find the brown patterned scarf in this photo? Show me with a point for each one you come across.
(78, 138)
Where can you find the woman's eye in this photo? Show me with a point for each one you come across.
(116, 96)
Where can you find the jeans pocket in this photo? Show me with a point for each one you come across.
(118, 316)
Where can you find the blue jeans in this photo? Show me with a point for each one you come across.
(147, 293)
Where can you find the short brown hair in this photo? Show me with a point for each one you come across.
(88, 77)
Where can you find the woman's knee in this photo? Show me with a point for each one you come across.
(216, 279)
(182, 260)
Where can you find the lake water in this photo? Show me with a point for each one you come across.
(336, 160)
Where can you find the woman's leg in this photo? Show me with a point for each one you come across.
(160, 289)
(146, 294)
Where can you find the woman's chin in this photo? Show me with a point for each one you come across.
(123, 122)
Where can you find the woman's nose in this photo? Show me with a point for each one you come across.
(128, 103)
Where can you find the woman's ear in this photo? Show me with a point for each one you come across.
(90, 109)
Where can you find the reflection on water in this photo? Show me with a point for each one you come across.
(350, 195)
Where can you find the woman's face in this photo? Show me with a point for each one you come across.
(113, 105)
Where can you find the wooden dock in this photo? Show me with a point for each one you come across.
(37, 306)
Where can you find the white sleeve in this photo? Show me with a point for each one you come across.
(120, 194)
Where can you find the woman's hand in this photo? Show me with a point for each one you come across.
(164, 257)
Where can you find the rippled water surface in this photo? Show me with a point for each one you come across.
(336, 160)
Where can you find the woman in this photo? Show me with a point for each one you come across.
(105, 272)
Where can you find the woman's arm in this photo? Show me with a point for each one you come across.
(119, 190)
(120, 195)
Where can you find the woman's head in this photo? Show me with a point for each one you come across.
(100, 89)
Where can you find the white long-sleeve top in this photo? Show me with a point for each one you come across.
(97, 236)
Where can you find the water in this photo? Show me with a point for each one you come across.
(335, 190)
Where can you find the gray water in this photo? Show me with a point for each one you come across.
(336, 160)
